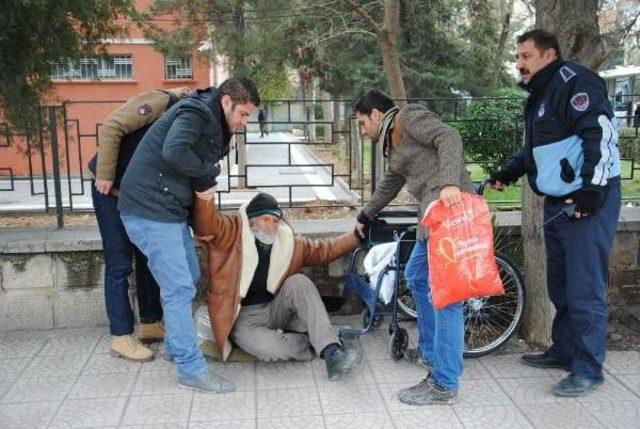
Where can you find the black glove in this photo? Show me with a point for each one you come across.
(363, 219)
(200, 184)
(589, 200)
(503, 176)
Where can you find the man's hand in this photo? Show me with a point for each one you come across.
(588, 202)
(360, 227)
(450, 195)
(500, 180)
(497, 185)
(104, 186)
(208, 194)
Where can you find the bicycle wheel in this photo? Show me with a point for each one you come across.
(490, 321)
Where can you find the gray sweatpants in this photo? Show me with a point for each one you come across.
(284, 328)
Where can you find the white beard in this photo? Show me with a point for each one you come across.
(263, 236)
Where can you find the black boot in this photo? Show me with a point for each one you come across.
(340, 361)
(545, 360)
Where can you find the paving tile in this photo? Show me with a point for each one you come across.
(229, 406)
(510, 366)
(375, 346)
(158, 409)
(350, 398)
(107, 364)
(225, 424)
(243, 375)
(532, 390)
(284, 374)
(65, 364)
(32, 415)
(70, 342)
(616, 414)
(4, 387)
(156, 383)
(296, 422)
(355, 420)
(39, 389)
(102, 386)
(566, 415)
(82, 413)
(632, 382)
(622, 362)
(481, 393)
(297, 401)
(20, 348)
(388, 371)
(421, 417)
(495, 417)
(172, 425)
(474, 370)
(11, 368)
(611, 390)
(159, 364)
(359, 375)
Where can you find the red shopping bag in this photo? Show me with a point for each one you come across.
(461, 259)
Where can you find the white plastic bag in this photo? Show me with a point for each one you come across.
(378, 258)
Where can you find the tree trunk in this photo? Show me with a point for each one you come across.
(575, 23)
(538, 317)
(327, 117)
(388, 40)
(507, 12)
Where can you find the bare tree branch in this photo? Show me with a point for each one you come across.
(355, 7)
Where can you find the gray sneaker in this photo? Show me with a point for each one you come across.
(415, 357)
(427, 392)
(207, 382)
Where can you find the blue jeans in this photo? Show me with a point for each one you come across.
(172, 259)
(577, 276)
(440, 332)
(118, 254)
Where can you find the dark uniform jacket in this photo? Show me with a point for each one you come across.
(176, 156)
(570, 140)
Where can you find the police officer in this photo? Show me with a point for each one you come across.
(570, 156)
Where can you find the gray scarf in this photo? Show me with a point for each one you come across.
(387, 126)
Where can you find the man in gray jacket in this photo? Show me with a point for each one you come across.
(177, 156)
(426, 155)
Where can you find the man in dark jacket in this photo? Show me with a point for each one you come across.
(571, 157)
(425, 154)
(177, 156)
(119, 136)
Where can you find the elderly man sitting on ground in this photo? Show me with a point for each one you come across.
(258, 298)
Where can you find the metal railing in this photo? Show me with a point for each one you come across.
(44, 170)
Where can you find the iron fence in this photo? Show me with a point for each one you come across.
(314, 156)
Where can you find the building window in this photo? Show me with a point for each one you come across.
(111, 67)
(178, 69)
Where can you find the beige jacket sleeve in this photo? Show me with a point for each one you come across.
(137, 112)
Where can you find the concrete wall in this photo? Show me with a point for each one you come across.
(55, 279)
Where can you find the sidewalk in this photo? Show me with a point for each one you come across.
(68, 379)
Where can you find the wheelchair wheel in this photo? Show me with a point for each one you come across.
(398, 343)
(406, 304)
(489, 322)
(366, 315)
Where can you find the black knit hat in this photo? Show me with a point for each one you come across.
(263, 203)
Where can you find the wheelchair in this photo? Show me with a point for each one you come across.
(489, 322)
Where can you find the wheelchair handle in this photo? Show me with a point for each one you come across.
(481, 186)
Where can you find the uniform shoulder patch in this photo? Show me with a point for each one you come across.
(580, 101)
(144, 109)
(566, 73)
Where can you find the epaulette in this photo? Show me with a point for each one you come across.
(566, 73)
